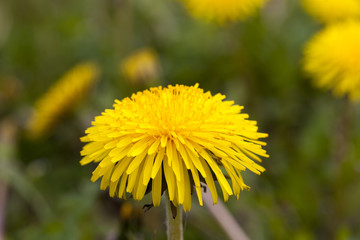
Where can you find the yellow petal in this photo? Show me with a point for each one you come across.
(132, 180)
(112, 188)
(148, 168)
(158, 161)
(122, 186)
(136, 162)
(170, 179)
(139, 147)
(210, 181)
(140, 188)
(163, 141)
(181, 185)
(121, 153)
(111, 144)
(105, 181)
(124, 141)
(156, 188)
(85, 160)
(184, 156)
(170, 149)
(187, 200)
(154, 147)
(195, 176)
(197, 162)
(215, 168)
(120, 168)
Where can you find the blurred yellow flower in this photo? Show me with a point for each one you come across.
(62, 98)
(328, 11)
(178, 132)
(332, 58)
(142, 67)
(224, 10)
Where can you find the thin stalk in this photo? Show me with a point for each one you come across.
(174, 225)
(222, 215)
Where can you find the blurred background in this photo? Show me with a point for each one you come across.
(311, 187)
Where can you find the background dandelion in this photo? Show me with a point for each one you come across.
(142, 67)
(224, 11)
(332, 10)
(332, 58)
(62, 98)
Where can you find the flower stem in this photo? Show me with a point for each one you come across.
(174, 225)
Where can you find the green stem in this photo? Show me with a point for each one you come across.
(174, 226)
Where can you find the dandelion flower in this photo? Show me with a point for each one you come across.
(328, 11)
(141, 67)
(62, 97)
(173, 138)
(223, 11)
(332, 58)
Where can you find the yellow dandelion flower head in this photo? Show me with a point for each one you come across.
(225, 10)
(332, 58)
(173, 138)
(141, 67)
(62, 97)
(328, 11)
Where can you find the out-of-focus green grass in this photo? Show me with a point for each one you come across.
(311, 189)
